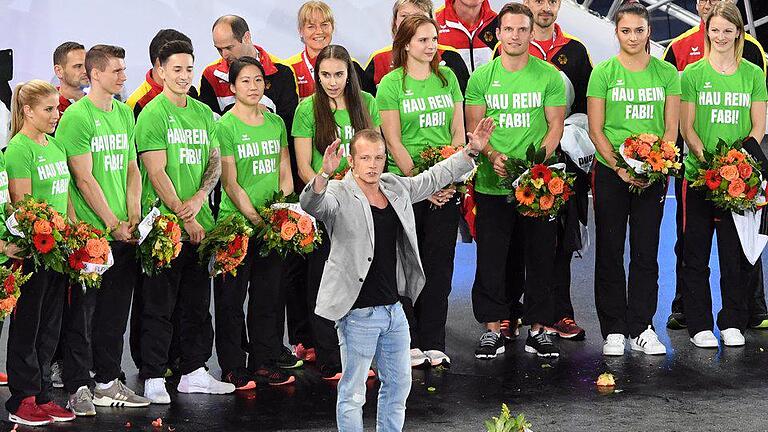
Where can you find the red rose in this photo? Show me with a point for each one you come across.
(745, 170)
(279, 218)
(169, 227)
(751, 192)
(10, 284)
(43, 242)
(540, 171)
(713, 179)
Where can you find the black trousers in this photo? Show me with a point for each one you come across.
(701, 220)
(188, 285)
(436, 230)
(258, 277)
(134, 339)
(757, 304)
(95, 322)
(626, 306)
(33, 335)
(294, 311)
(561, 285)
(326, 339)
(496, 220)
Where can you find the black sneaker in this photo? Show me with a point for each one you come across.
(241, 378)
(759, 321)
(330, 372)
(287, 360)
(272, 376)
(676, 321)
(491, 345)
(541, 344)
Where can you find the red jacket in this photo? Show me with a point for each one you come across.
(475, 44)
(304, 68)
(144, 94)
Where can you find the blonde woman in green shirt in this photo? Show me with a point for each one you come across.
(631, 93)
(724, 97)
(36, 165)
(421, 104)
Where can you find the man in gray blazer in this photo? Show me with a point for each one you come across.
(374, 259)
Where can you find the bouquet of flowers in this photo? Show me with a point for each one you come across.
(287, 228)
(431, 155)
(539, 186)
(649, 158)
(731, 178)
(226, 245)
(88, 255)
(159, 241)
(39, 231)
(340, 175)
(13, 279)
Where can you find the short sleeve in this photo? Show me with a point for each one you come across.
(74, 133)
(454, 83)
(672, 79)
(149, 133)
(18, 161)
(304, 120)
(224, 137)
(283, 132)
(475, 91)
(555, 93)
(131, 122)
(687, 86)
(597, 86)
(387, 95)
(373, 109)
(759, 93)
(213, 136)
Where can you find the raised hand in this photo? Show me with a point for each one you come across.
(332, 157)
(482, 134)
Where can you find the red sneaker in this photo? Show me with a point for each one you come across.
(567, 328)
(306, 354)
(57, 413)
(3, 379)
(30, 414)
(510, 329)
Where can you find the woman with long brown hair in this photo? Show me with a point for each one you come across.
(421, 105)
(337, 109)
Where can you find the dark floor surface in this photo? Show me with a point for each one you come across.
(689, 389)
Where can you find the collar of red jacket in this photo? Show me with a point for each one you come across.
(560, 37)
(157, 88)
(486, 14)
(261, 55)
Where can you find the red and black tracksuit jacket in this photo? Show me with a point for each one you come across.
(303, 67)
(475, 44)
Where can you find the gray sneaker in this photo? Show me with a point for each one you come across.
(56, 375)
(118, 395)
(81, 403)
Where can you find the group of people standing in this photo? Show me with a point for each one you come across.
(259, 125)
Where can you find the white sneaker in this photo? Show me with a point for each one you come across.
(648, 342)
(154, 390)
(705, 339)
(200, 381)
(614, 344)
(418, 358)
(437, 358)
(732, 337)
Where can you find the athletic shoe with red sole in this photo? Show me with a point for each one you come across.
(3, 379)
(272, 376)
(30, 414)
(241, 378)
(57, 413)
(567, 328)
(306, 354)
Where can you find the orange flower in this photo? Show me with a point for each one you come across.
(546, 202)
(448, 151)
(734, 155)
(745, 170)
(736, 188)
(42, 227)
(96, 260)
(643, 149)
(668, 148)
(96, 248)
(729, 172)
(7, 304)
(175, 234)
(58, 222)
(648, 138)
(307, 241)
(657, 163)
(288, 230)
(176, 249)
(555, 186)
(524, 195)
(305, 224)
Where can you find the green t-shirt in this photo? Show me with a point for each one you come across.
(4, 199)
(304, 126)
(45, 165)
(256, 150)
(425, 106)
(634, 101)
(108, 137)
(723, 104)
(187, 136)
(515, 101)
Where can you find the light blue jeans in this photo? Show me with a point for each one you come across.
(380, 332)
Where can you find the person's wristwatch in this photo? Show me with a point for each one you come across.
(325, 175)
(471, 153)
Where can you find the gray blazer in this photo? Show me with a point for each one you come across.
(346, 213)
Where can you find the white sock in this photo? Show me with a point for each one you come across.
(102, 386)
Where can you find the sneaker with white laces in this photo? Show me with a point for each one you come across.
(118, 395)
(200, 381)
(56, 380)
(491, 344)
(614, 344)
(705, 339)
(732, 337)
(81, 403)
(648, 342)
(541, 344)
(155, 391)
(418, 359)
(438, 358)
